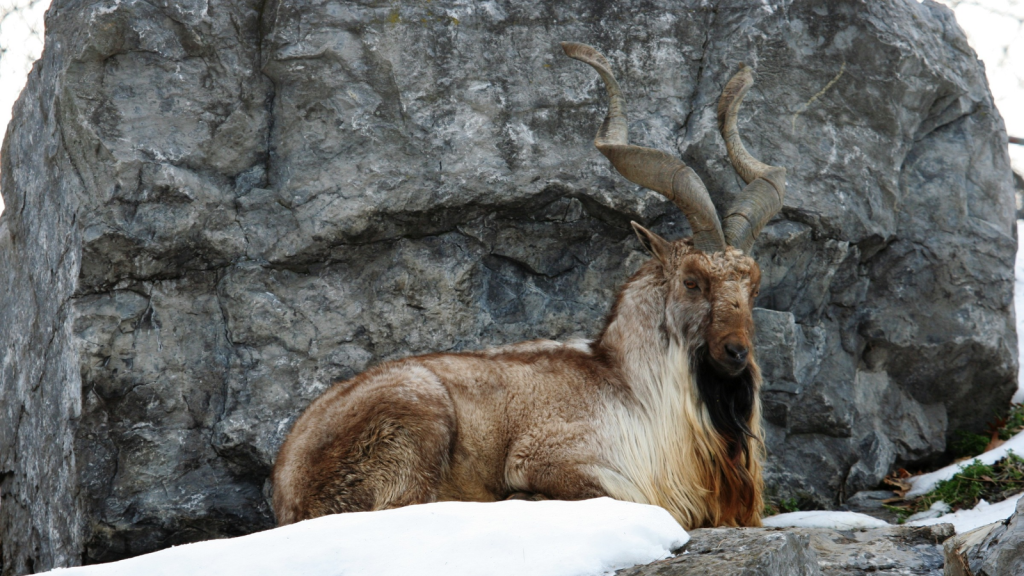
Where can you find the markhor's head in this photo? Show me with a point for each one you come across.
(710, 299)
(712, 281)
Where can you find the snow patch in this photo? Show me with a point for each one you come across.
(936, 510)
(925, 483)
(549, 538)
(824, 519)
(982, 514)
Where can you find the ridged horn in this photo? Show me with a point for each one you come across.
(648, 167)
(766, 184)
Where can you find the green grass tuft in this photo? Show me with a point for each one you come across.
(974, 482)
(789, 505)
(773, 507)
(1014, 422)
(966, 444)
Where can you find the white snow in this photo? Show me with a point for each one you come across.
(553, 538)
(824, 519)
(938, 508)
(926, 482)
(982, 514)
(964, 520)
(993, 30)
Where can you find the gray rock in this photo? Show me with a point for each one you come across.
(1018, 191)
(872, 503)
(743, 552)
(215, 209)
(992, 550)
(896, 550)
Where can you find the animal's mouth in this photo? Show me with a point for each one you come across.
(730, 369)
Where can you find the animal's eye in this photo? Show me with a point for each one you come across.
(691, 284)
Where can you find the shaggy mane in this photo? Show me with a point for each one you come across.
(729, 402)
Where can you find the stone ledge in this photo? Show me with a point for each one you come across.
(806, 552)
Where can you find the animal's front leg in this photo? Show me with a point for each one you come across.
(555, 462)
(564, 482)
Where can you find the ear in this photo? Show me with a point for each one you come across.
(656, 245)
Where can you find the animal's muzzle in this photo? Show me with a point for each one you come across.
(736, 354)
(732, 358)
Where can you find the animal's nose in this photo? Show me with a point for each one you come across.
(737, 353)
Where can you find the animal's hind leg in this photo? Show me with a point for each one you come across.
(405, 455)
(389, 446)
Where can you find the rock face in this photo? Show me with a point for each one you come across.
(216, 208)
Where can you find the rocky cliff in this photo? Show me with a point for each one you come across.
(215, 208)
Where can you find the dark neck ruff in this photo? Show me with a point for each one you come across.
(729, 400)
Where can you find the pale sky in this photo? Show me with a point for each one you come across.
(994, 30)
(20, 48)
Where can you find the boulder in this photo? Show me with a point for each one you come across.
(750, 552)
(216, 208)
(991, 550)
(872, 503)
(895, 551)
(891, 551)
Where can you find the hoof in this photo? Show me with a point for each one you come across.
(526, 496)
